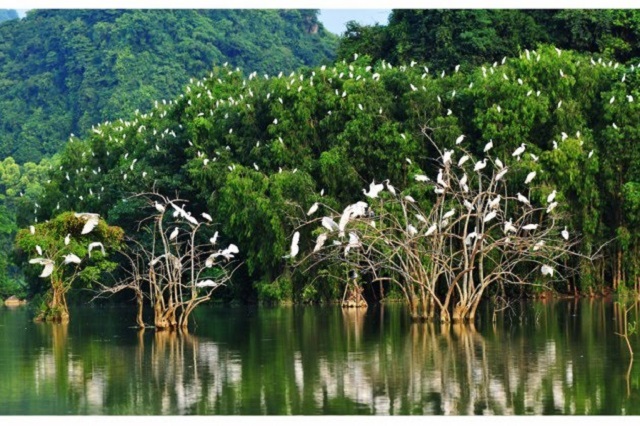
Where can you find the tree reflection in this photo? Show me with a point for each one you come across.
(557, 358)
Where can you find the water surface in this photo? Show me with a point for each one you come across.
(558, 357)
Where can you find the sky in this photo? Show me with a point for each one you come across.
(335, 20)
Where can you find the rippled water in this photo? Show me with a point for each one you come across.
(539, 358)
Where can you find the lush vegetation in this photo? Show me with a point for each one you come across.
(256, 151)
(62, 71)
(444, 38)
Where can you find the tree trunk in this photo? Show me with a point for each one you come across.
(56, 310)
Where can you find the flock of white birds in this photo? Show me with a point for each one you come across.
(201, 102)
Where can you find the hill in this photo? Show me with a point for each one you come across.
(62, 71)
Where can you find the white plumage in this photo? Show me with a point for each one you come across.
(565, 233)
(91, 221)
(431, 230)
(320, 242)
(207, 216)
(523, 199)
(71, 258)
(530, 177)
(480, 165)
(96, 245)
(294, 245)
(374, 189)
(530, 227)
(47, 263)
(313, 209)
(551, 196)
(174, 234)
(492, 214)
(546, 270)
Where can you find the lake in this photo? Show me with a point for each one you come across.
(539, 357)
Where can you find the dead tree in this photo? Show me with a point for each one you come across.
(444, 242)
(180, 268)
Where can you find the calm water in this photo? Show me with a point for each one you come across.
(544, 358)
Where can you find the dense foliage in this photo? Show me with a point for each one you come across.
(61, 71)
(443, 38)
(256, 152)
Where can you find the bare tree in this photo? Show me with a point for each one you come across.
(179, 268)
(443, 243)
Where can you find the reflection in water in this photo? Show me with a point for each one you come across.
(550, 358)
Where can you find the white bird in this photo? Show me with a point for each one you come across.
(32, 229)
(441, 181)
(463, 181)
(390, 187)
(523, 199)
(480, 165)
(47, 263)
(353, 242)
(294, 246)
(446, 157)
(552, 206)
(448, 214)
(460, 139)
(329, 224)
(565, 233)
(320, 242)
(313, 209)
(495, 203)
(499, 163)
(488, 146)
(71, 258)
(431, 230)
(91, 221)
(411, 230)
(530, 177)
(96, 245)
(530, 227)
(421, 178)
(518, 152)
(409, 198)
(421, 218)
(492, 214)
(546, 270)
(590, 154)
(213, 239)
(463, 160)
(551, 196)
(468, 205)
(501, 173)
(174, 234)
(207, 283)
(537, 246)
(207, 216)
(373, 189)
(508, 227)
(39, 250)
(612, 100)
(67, 239)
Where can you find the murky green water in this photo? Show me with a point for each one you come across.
(550, 358)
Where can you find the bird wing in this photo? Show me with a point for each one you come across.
(48, 268)
(320, 242)
(294, 243)
(91, 222)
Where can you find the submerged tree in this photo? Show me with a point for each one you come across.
(173, 265)
(460, 235)
(71, 247)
